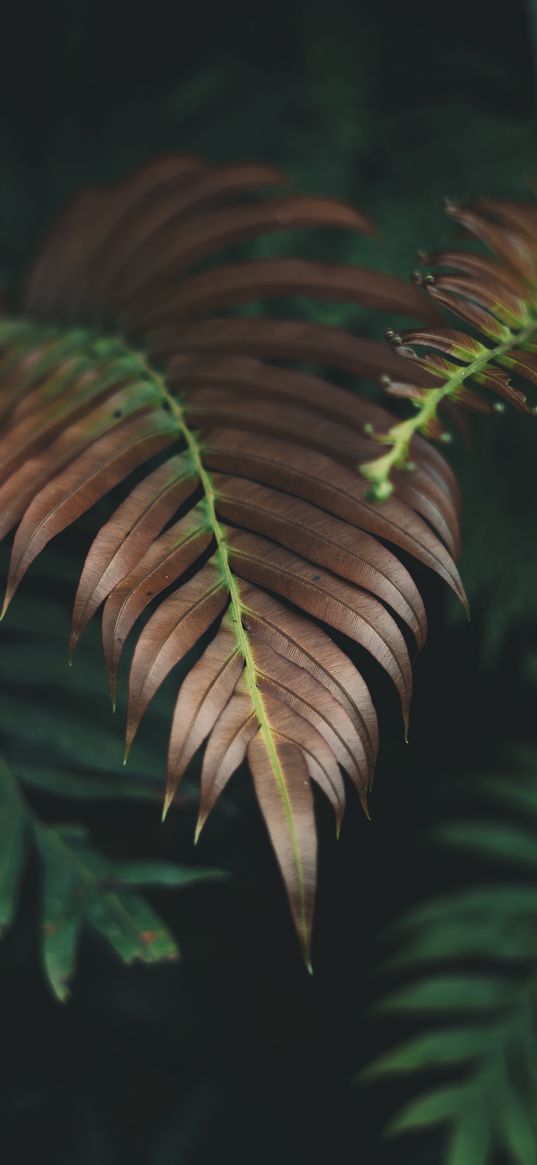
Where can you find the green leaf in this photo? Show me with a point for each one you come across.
(471, 1139)
(516, 1129)
(63, 910)
(445, 1046)
(510, 843)
(152, 873)
(73, 744)
(475, 901)
(486, 936)
(519, 794)
(88, 785)
(131, 927)
(125, 920)
(496, 1105)
(449, 993)
(431, 1109)
(80, 887)
(13, 844)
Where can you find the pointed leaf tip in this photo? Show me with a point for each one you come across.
(12, 586)
(199, 826)
(282, 781)
(340, 813)
(112, 685)
(73, 644)
(168, 798)
(129, 740)
(365, 806)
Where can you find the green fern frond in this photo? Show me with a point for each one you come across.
(53, 750)
(81, 888)
(472, 961)
(51, 754)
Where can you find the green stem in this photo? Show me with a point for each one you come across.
(267, 732)
(29, 335)
(378, 471)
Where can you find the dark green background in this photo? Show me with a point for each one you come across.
(236, 1055)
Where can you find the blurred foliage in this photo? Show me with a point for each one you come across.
(472, 958)
(234, 1053)
(52, 751)
(81, 887)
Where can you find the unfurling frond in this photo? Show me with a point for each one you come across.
(251, 525)
(472, 957)
(497, 300)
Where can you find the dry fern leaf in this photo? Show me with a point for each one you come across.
(252, 523)
(497, 300)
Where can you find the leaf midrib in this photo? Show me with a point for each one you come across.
(399, 437)
(11, 330)
(241, 636)
(333, 544)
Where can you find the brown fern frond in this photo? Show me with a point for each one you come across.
(497, 299)
(253, 525)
